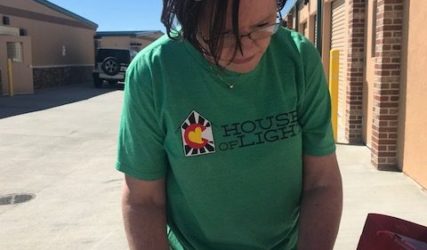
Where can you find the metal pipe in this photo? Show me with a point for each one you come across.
(334, 72)
(10, 76)
(319, 17)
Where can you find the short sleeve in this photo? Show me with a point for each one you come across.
(140, 144)
(315, 110)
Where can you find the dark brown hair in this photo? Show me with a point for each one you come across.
(187, 14)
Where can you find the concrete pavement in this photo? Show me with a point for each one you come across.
(64, 155)
(367, 190)
(58, 146)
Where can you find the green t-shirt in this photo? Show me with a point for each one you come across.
(231, 157)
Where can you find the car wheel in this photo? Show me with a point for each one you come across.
(97, 82)
(110, 66)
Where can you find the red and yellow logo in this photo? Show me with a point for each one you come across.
(197, 136)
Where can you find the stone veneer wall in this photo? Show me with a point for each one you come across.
(1, 85)
(59, 76)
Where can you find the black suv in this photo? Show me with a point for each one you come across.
(111, 65)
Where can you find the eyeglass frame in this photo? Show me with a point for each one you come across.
(275, 26)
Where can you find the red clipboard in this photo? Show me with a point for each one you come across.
(383, 232)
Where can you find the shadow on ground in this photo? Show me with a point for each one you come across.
(50, 98)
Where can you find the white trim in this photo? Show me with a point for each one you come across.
(9, 31)
(61, 66)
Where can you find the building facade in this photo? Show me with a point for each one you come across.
(382, 74)
(47, 45)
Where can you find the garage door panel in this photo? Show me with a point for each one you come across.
(338, 41)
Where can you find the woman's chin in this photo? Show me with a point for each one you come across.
(242, 68)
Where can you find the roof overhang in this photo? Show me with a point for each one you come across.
(151, 35)
(67, 13)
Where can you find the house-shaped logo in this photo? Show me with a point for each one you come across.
(197, 136)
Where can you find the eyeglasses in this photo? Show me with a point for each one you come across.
(229, 39)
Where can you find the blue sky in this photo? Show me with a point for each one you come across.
(113, 15)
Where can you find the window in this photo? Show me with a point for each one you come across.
(6, 20)
(14, 51)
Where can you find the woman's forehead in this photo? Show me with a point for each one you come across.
(252, 12)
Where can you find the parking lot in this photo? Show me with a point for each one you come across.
(59, 189)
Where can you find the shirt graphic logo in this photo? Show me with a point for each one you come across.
(197, 136)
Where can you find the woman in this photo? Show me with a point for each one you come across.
(225, 137)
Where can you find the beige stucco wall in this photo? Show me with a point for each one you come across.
(49, 39)
(54, 44)
(121, 42)
(414, 102)
(62, 46)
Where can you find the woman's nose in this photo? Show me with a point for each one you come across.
(247, 44)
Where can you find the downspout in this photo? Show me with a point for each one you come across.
(296, 16)
(319, 17)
